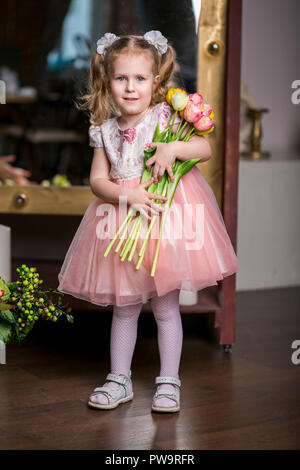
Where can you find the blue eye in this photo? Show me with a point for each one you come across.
(140, 79)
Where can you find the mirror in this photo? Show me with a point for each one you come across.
(45, 65)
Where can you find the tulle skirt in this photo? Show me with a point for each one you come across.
(195, 250)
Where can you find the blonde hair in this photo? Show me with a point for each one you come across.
(98, 99)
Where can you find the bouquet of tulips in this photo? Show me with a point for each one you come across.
(199, 116)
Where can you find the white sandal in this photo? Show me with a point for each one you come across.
(114, 396)
(172, 395)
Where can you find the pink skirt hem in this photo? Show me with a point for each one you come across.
(195, 250)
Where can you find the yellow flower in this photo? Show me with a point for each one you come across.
(171, 93)
(205, 132)
(179, 100)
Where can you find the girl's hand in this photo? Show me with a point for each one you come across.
(163, 158)
(140, 199)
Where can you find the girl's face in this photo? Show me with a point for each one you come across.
(132, 82)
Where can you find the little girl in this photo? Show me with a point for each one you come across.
(130, 76)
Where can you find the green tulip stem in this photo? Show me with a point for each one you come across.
(169, 120)
(174, 117)
(143, 248)
(123, 234)
(179, 127)
(131, 234)
(136, 239)
(158, 243)
(181, 169)
(129, 240)
(170, 193)
(124, 246)
(180, 131)
(129, 216)
(189, 135)
(153, 220)
(172, 124)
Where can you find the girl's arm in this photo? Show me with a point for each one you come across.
(100, 184)
(196, 147)
(166, 154)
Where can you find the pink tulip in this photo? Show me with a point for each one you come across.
(196, 98)
(191, 112)
(204, 123)
(206, 109)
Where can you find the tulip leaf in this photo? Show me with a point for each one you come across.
(156, 133)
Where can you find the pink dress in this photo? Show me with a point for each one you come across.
(195, 250)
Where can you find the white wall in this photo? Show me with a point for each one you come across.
(270, 63)
(269, 223)
(269, 190)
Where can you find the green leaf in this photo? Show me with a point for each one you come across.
(4, 306)
(149, 153)
(70, 318)
(162, 135)
(5, 331)
(8, 316)
(156, 133)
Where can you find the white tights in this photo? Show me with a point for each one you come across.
(123, 339)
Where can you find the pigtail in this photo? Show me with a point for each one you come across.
(97, 100)
(166, 72)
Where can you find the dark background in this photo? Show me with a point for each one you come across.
(30, 30)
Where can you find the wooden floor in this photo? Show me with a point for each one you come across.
(249, 399)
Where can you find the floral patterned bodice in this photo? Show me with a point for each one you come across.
(125, 148)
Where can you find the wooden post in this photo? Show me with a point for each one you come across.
(231, 160)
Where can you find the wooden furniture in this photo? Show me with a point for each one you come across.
(220, 22)
(40, 200)
(20, 98)
(226, 317)
(219, 63)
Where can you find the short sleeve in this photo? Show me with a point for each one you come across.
(95, 136)
(165, 110)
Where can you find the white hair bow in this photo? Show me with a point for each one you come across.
(157, 40)
(153, 37)
(106, 41)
